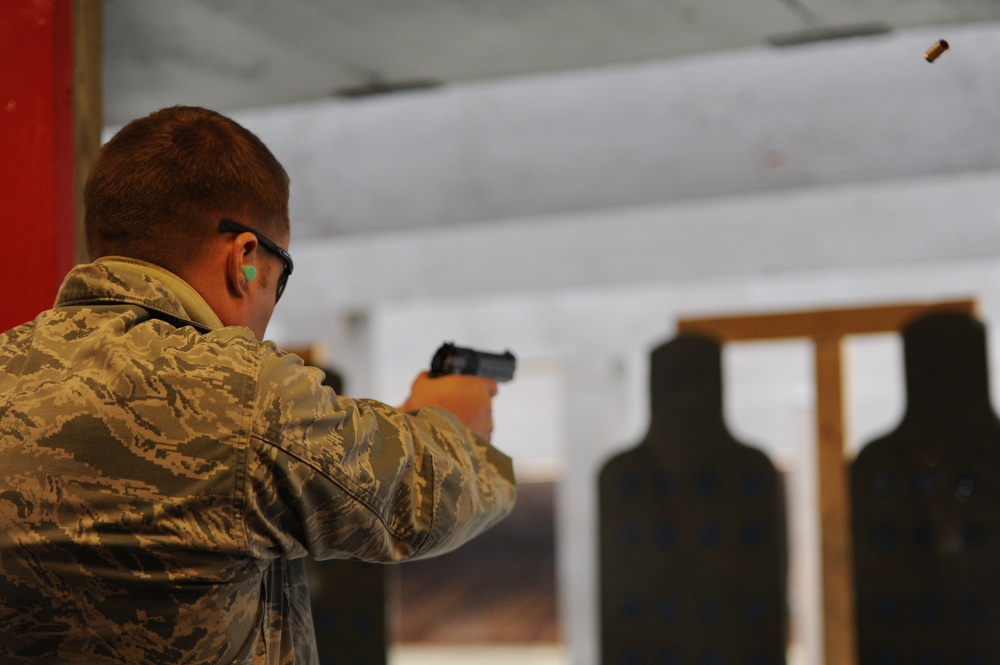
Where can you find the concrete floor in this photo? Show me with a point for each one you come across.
(478, 655)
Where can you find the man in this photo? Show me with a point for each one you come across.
(164, 471)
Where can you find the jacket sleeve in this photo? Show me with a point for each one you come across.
(336, 477)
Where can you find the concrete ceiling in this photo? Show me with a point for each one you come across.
(236, 54)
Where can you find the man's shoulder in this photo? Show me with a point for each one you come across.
(12, 345)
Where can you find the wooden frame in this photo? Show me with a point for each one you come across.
(827, 328)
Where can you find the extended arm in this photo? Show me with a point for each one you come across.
(357, 478)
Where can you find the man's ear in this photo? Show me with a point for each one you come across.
(242, 252)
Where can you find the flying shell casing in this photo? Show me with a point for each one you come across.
(934, 52)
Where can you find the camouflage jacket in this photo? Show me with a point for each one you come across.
(163, 480)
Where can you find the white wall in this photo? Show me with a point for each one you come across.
(722, 125)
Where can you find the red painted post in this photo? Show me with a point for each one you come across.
(36, 155)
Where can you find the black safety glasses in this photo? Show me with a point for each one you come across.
(229, 226)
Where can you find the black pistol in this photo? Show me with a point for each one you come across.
(451, 359)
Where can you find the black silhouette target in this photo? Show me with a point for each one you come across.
(926, 510)
(692, 530)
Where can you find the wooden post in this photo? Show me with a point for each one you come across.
(839, 642)
(88, 104)
(828, 328)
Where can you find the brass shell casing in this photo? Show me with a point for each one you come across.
(934, 52)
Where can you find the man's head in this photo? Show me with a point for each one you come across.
(159, 191)
(159, 187)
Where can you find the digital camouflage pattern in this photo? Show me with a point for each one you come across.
(162, 483)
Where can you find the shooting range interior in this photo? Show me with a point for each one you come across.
(584, 183)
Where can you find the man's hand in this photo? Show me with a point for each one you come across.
(470, 398)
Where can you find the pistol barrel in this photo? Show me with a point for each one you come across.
(451, 359)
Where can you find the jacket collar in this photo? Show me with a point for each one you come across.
(123, 280)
